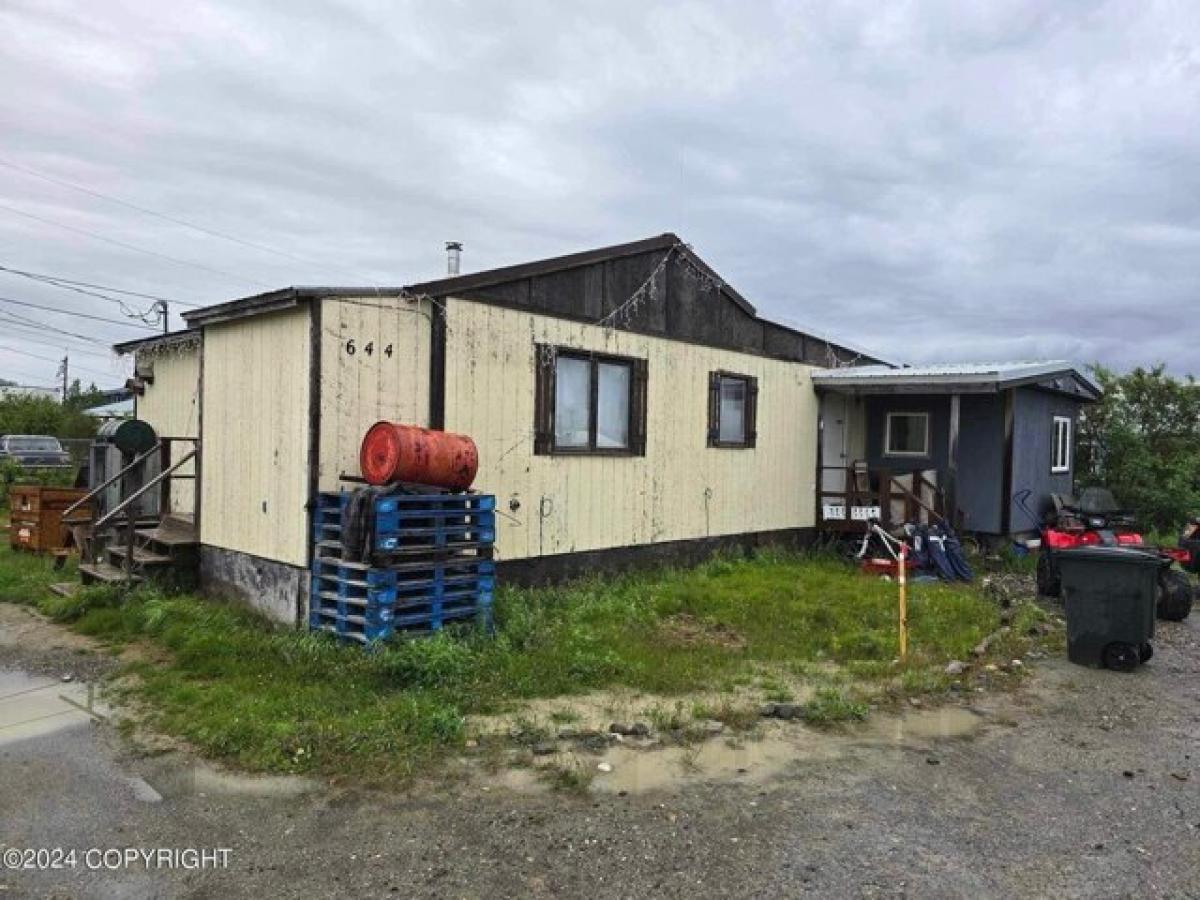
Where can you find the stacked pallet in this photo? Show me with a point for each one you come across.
(430, 564)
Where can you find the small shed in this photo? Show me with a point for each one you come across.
(977, 443)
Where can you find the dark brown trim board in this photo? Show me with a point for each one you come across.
(314, 420)
(198, 466)
(1006, 476)
(560, 567)
(437, 366)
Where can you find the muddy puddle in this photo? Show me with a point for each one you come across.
(635, 767)
(32, 706)
(172, 778)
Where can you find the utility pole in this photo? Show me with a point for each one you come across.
(64, 369)
(165, 312)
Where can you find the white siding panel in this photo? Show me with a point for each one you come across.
(360, 388)
(256, 436)
(171, 405)
(680, 489)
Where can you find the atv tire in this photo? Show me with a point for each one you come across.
(1049, 582)
(1175, 595)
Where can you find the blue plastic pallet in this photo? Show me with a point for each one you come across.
(368, 628)
(415, 521)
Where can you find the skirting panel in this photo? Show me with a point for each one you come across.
(275, 589)
(566, 566)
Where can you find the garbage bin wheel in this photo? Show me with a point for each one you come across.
(1121, 657)
(1049, 583)
(1146, 652)
(1175, 595)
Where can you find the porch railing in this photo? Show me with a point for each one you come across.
(875, 494)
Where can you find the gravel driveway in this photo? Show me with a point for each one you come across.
(1082, 784)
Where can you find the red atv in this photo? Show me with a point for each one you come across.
(1095, 520)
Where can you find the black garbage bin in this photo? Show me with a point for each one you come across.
(1109, 593)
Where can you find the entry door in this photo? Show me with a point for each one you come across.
(834, 413)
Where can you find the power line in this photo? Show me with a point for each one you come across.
(211, 232)
(133, 247)
(142, 316)
(68, 312)
(59, 345)
(33, 378)
(42, 326)
(58, 281)
(7, 349)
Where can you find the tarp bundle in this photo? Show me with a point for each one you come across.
(936, 549)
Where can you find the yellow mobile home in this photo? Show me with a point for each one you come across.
(627, 403)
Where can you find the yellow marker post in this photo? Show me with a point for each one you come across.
(903, 578)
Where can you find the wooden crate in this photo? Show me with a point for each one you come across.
(36, 513)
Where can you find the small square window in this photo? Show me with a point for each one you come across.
(732, 410)
(1060, 451)
(906, 434)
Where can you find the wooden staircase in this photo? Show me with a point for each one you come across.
(121, 548)
(166, 551)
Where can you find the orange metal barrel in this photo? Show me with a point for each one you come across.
(393, 452)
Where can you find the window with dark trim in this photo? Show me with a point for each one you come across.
(589, 403)
(732, 410)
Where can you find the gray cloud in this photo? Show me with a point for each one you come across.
(931, 180)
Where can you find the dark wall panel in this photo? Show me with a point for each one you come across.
(684, 305)
(877, 410)
(1033, 434)
(981, 462)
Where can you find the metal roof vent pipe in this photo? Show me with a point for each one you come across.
(453, 257)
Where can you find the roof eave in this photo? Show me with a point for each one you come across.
(158, 340)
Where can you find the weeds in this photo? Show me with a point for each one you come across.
(829, 706)
(573, 777)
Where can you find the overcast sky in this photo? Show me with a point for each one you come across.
(936, 181)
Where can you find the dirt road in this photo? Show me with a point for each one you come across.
(1084, 784)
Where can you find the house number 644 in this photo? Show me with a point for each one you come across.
(369, 349)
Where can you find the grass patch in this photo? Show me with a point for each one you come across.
(268, 698)
(829, 706)
(570, 778)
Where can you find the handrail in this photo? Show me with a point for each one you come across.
(905, 492)
(91, 495)
(120, 507)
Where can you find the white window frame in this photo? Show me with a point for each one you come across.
(1060, 445)
(887, 435)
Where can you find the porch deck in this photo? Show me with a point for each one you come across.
(850, 496)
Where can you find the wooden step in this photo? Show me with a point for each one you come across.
(170, 533)
(66, 588)
(141, 557)
(105, 572)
